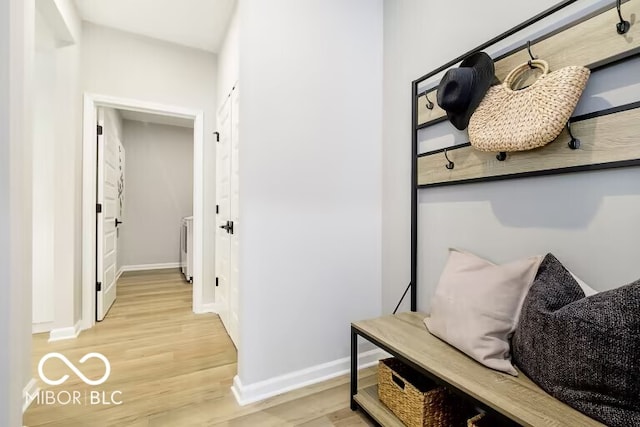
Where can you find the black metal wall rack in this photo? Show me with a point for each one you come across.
(623, 45)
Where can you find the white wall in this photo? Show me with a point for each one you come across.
(8, 388)
(123, 65)
(16, 59)
(69, 32)
(44, 145)
(68, 164)
(57, 126)
(21, 98)
(158, 192)
(310, 141)
(228, 60)
(8, 409)
(589, 220)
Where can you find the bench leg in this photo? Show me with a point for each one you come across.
(354, 368)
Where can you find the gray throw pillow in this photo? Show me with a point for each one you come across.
(585, 351)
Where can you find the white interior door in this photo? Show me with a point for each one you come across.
(223, 189)
(108, 196)
(234, 297)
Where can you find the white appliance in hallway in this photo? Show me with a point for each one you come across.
(186, 248)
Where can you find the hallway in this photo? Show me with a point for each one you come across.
(173, 368)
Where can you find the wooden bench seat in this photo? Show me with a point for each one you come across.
(517, 398)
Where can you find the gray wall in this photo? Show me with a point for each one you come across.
(158, 192)
(589, 220)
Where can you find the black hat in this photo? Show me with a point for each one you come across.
(461, 89)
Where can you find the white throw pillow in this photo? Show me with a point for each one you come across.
(588, 290)
(477, 305)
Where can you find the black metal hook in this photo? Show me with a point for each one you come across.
(501, 156)
(429, 103)
(449, 165)
(574, 144)
(533, 58)
(623, 26)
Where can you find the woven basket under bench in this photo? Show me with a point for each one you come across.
(416, 400)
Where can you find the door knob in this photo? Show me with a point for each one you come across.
(118, 222)
(228, 227)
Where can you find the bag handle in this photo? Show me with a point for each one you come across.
(519, 70)
(396, 379)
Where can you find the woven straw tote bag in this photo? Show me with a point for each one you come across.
(518, 120)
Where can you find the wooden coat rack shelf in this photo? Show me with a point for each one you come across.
(607, 138)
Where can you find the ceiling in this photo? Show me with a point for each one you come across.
(155, 118)
(199, 24)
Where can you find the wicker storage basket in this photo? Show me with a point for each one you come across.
(485, 420)
(416, 400)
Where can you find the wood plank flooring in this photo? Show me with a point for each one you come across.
(173, 368)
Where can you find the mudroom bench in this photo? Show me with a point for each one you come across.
(406, 338)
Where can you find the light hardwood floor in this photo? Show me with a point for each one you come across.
(174, 369)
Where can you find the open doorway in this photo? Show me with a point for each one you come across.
(101, 224)
(145, 203)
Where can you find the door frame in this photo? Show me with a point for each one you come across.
(89, 171)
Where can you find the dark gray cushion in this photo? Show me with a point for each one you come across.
(583, 351)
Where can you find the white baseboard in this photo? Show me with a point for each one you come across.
(143, 267)
(251, 393)
(29, 394)
(211, 307)
(65, 333)
(119, 273)
(85, 324)
(40, 328)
